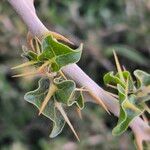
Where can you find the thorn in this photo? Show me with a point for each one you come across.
(44, 65)
(114, 95)
(60, 37)
(63, 75)
(50, 75)
(118, 66)
(37, 45)
(25, 74)
(29, 41)
(82, 89)
(24, 65)
(79, 112)
(124, 69)
(127, 86)
(60, 108)
(99, 101)
(51, 91)
(111, 86)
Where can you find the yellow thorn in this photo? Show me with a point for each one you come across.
(30, 73)
(25, 74)
(51, 91)
(37, 45)
(26, 64)
(118, 66)
(63, 75)
(79, 112)
(59, 37)
(127, 84)
(114, 95)
(82, 89)
(29, 41)
(60, 108)
(99, 101)
(112, 86)
(44, 65)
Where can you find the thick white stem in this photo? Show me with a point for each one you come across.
(26, 10)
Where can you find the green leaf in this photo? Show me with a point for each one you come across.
(129, 108)
(66, 93)
(58, 54)
(110, 78)
(143, 78)
(128, 111)
(78, 99)
(143, 86)
(30, 55)
(36, 98)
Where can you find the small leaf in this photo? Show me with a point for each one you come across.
(31, 56)
(58, 54)
(128, 111)
(37, 96)
(143, 78)
(66, 93)
(143, 86)
(110, 78)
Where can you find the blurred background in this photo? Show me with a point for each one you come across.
(102, 25)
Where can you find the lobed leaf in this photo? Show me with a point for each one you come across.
(30, 55)
(36, 98)
(67, 94)
(128, 111)
(131, 105)
(58, 54)
(143, 78)
(110, 78)
(143, 86)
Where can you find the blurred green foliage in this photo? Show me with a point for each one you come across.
(101, 25)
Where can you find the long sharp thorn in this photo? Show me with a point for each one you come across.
(127, 87)
(25, 74)
(37, 45)
(99, 101)
(118, 66)
(24, 65)
(60, 37)
(60, 108)
(79, 112)
(114, 95)
(44, 65)
(112, 86)
(50, 93)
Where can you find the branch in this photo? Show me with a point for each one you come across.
(26, 10)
